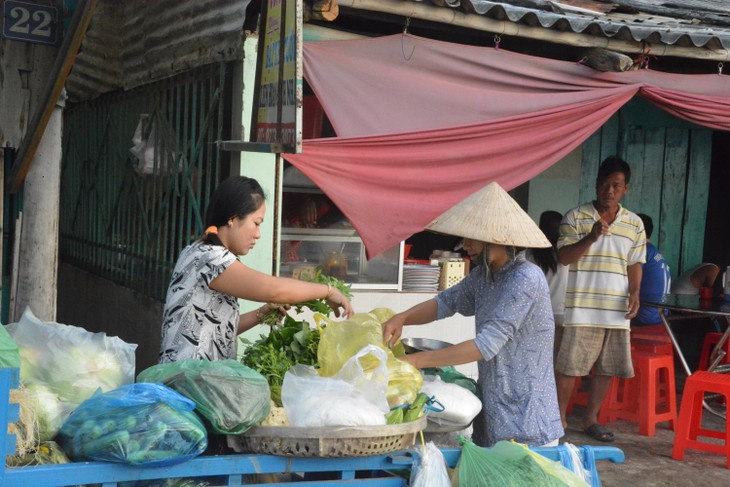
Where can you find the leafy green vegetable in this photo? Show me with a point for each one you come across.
(320, 305)
(289, 341)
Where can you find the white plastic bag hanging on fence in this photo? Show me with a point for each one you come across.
(155, 146)
(352, 397)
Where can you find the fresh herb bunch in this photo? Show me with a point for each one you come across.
(320, 305)
(289, 341)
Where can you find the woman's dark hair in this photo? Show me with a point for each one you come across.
(611, 165)
(237, 196)
(547, 258)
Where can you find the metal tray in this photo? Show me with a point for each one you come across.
(413, 345)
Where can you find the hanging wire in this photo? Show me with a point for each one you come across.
(402, 47)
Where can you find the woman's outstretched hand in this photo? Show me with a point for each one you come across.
(339, 303)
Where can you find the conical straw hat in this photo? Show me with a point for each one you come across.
(491, 215)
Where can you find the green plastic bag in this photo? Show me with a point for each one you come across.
(509, 464)
(9, 355)
(232, 397)
(341, 340)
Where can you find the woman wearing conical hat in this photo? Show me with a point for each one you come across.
(510, 301)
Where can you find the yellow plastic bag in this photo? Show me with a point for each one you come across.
(341, 340)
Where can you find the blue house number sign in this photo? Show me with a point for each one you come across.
(29, 22)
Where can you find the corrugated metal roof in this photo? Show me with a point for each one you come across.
(135, 42)
(689, 23)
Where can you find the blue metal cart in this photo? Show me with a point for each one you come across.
(233, 470)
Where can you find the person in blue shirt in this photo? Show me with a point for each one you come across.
(656, 280)
(509, 299)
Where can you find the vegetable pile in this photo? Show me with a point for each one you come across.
(290, 341)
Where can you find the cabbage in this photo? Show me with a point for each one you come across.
(50, 410)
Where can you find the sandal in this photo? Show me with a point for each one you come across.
(599, 433)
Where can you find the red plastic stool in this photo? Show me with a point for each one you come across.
(659, 347)
(711, 339)
(689, 425)
(651, 332)
(649, 397)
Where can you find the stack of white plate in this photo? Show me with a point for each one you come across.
(421, 277)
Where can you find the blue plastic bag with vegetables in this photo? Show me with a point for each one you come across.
(137, 424)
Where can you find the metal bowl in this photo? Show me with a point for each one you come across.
(413, 345)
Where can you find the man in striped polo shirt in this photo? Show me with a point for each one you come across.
(604, 244)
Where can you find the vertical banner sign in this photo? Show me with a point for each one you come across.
(277, 114)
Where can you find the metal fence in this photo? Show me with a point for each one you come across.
(127, 214)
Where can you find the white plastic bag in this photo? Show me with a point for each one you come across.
(351, 398)
(62, 366)
(460, 405)
(155, 146)
(429, 469)
(578, 467)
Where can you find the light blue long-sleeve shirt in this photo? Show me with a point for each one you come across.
(514, 332)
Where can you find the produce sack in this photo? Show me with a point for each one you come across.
(429, 467)
(352, 397)
(63, 365)
(231, 396)
(509, 464)
(340, 340)
(9, 355)
(451, 375)
(137, 424)
(460, 406)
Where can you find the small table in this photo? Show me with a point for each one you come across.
(683, 307)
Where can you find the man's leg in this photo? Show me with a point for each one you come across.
(600, 384)
(565, 385)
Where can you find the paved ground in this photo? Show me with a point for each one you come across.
(648, 460)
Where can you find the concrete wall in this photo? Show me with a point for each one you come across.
(97, 305)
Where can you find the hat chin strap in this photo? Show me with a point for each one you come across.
(511, 255)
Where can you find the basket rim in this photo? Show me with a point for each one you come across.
(337, 431)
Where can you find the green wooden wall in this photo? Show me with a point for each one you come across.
(670, 172)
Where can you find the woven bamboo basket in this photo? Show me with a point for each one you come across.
(335, 441)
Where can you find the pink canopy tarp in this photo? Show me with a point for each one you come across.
(422, 124)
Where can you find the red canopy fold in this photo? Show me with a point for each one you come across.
(422, 124)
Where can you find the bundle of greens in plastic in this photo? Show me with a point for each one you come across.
(341, 340)
(136, 424)
(63, 365)
(232, 397)
(509, 464)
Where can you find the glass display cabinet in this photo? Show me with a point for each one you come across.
(316, 235)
